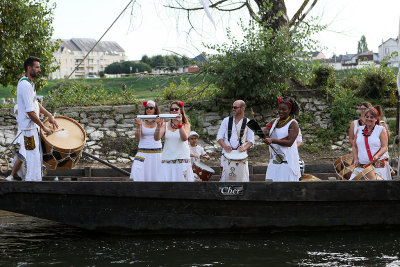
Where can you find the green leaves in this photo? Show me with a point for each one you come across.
(25, 30)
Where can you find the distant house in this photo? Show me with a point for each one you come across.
(387, 48)
(317, 55)
(72, 52)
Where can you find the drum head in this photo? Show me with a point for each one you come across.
(204, 167)
(236, 155)
(69, 136)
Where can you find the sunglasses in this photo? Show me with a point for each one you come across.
(151, 108)
(235, 107)
(174, 109)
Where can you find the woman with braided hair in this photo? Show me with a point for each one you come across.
(175, 160)
(282, 133)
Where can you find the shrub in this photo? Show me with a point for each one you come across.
(377, 82)
(188, 92)
(323, 77)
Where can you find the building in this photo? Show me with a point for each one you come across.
(387, 48)
(72, 52)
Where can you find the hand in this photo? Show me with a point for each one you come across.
(138, 122)
(159, 122)
(228, 149)
(355, 162)
(47, 130)
(241, 149)
(179, 119)
(206, 156)
(375, 158)
(268, 141)
(53, 121)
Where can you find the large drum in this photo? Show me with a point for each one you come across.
(367, 173)
(343, 166)
(203, 171)
(63, 149)
(235, 166)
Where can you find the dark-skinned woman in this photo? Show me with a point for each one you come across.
(282, 133)
(175, 159)
(371, 144)
(147, 163)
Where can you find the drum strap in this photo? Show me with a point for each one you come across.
(230, 125)
(371, 158)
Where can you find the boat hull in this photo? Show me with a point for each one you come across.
(212, 206)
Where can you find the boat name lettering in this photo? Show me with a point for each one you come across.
(233, 190)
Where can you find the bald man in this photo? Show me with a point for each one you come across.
(233, 134)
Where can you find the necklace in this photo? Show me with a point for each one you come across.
(367, 133)
(150, 121)
(281, 123)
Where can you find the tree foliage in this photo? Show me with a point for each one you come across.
(258, 68)
(362, 45)
(26, 30)
(125, 67)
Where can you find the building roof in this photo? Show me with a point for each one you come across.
(85, 44)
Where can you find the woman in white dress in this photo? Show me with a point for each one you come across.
(282, 134)
(147, 163)
(175, 159)
(358, 123)
(371, 144)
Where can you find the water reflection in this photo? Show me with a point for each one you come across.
(26, 241)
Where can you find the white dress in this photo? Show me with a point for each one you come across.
(175, 159)
(147, 163)
(289, 170)
(374, 143)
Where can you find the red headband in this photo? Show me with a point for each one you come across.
(377, 112)
(285, 101)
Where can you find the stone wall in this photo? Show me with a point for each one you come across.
(110, 129)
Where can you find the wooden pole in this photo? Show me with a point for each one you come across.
(106, 163)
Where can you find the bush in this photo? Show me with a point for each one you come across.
(377, 82)
(188, 92)
(323, 77)
(352, 83)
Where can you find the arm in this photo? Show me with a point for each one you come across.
(184, 132)
(267, 128)
(32, 115)
(384, 144)
(387, 129)
(160, 129)
(351, 133)
(354, 151)
(204, 154)
(48, 115)
(250, 141)
(293, 132)
(138, 132)
(221, 135)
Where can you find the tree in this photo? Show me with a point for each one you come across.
(158, 62)
(362, 45)
(269, 9)
(171, 63)
(146, 59)
(26, 30)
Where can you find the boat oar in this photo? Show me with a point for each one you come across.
(255, 127)
(106, 163)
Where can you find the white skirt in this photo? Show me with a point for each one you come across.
(280, 173)
(146, 167)
(177, 172)
(385, 172)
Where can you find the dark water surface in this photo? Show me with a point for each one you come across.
(27, 241)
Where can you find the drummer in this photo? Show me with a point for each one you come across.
(196, 151)
(147, 163)
(283, 132)
(371, 144)
(28, 119)
(358, 123)
(233, 134)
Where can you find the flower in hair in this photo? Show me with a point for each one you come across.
(144, 103)
(181, 104)
(279, 99)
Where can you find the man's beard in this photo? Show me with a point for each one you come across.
(34, 74)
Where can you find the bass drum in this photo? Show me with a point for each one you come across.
(63, 149)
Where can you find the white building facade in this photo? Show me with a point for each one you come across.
(73, 51)
(387, 48)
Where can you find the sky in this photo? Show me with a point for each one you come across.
(151, 28)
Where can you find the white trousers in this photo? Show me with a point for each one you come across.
(33, 157)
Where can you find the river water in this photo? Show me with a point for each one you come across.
(27, 241)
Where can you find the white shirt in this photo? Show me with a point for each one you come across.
(174, 147)
(248, 135)
(197, 151)
(27, 102)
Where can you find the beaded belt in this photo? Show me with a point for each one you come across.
(176, 161)
(150, 150)
(379, 164)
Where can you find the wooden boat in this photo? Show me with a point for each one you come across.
(141, 207)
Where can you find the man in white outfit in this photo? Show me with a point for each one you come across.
(28, 119)
(234, 134)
